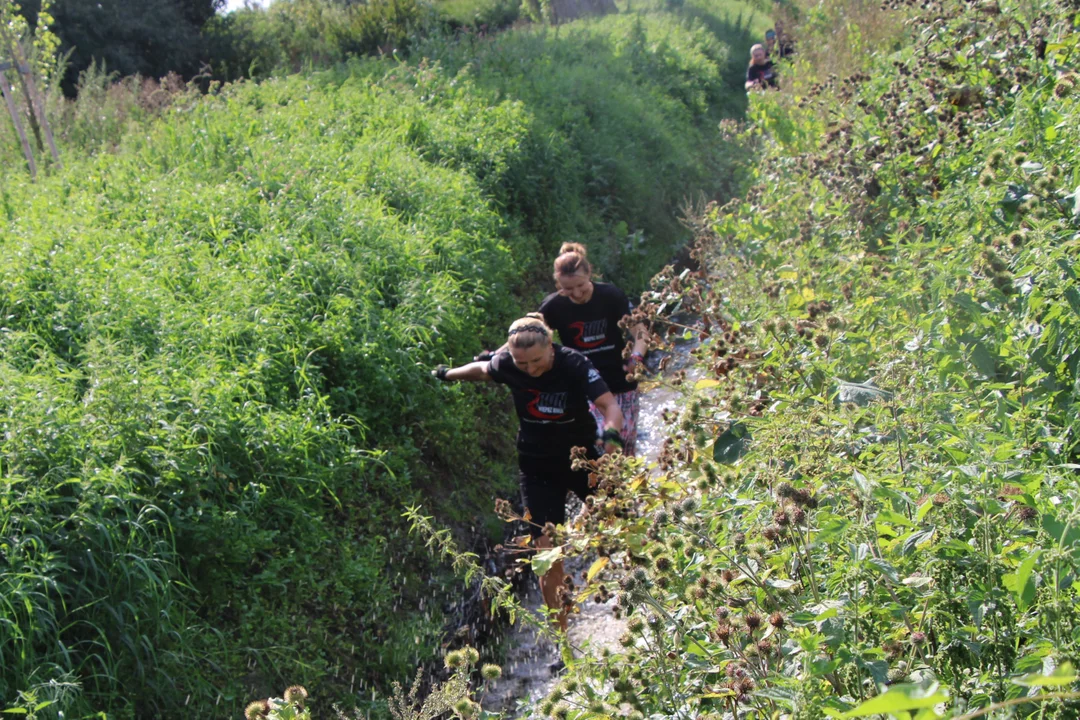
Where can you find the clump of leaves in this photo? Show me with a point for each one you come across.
(292, 705)
(457, 694)
(868, 504)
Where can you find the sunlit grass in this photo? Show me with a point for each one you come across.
(218, 321)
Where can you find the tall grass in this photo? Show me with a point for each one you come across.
(626, 107)
(218, 320)
(238, 335)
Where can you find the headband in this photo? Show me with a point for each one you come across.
(528, 328)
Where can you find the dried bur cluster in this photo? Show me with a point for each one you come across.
(690, 584)
(687, 306)
(700, 588)
(977, 66)
(735, 352)
(797, 574)
(292, 705)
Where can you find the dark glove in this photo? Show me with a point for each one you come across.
(612, 437)
(440, 372)
(483, 356)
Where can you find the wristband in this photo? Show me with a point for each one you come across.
(440, 372)
(637, 356)
(613, 436)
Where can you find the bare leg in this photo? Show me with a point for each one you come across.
(550, 582)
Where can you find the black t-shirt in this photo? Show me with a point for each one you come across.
(553, 408)
(781, 50)
(592, 329)
(764, 74)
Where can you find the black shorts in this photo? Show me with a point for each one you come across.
(545, 482)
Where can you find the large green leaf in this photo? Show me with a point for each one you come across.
(1064, 674)
(898, 699)
(732, 444)
(543, 560)
(1025, 587)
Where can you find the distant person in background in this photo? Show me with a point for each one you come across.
(552, 387)
(770, 42)
(778, 44)
(760, 74)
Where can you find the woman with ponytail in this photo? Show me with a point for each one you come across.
(587, 315)
(552, 387)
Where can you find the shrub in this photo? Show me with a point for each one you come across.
(868, 502)
(291, 35)
(479, 15)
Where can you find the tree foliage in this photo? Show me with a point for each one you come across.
(146, 37)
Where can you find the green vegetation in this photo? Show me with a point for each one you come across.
(606, 93)
(294, 35)
(482, 15)
(458, 694)
(218, 319)
(870, 504)
(147, 37)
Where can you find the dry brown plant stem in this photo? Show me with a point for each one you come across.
(9, 98)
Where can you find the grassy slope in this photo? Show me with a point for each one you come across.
(915, 227)
(216, 339)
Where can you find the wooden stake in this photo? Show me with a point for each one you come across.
(6, 90)
(34, 100)
(19, 71)
(37, 103)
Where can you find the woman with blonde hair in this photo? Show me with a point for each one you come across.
(760, 74)
(552, 387)
(587, 315)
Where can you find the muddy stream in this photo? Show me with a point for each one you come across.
(528, 674)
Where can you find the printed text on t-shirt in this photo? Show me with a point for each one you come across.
(589, 333)
(547, 406)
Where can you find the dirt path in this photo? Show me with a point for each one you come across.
(527, 669)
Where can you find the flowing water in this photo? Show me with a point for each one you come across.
(528, 670)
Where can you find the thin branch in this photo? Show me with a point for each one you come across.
(1019, 701)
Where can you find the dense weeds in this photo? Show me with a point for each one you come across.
(869, 505)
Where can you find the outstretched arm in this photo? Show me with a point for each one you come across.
(488, 354)
(472, 372)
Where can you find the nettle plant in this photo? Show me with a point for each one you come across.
(868, 505)
(460, 694)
